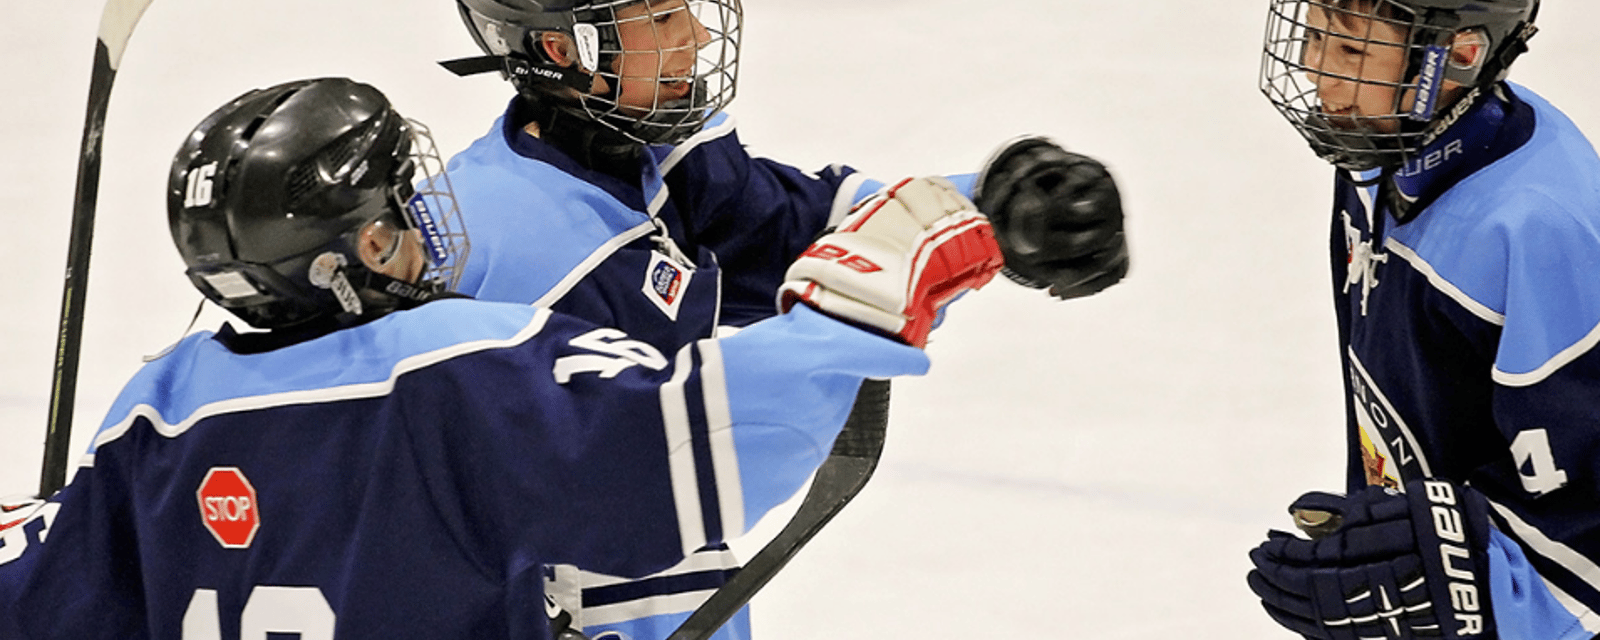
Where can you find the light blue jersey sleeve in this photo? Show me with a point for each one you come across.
(761, 363)
(1524, 608)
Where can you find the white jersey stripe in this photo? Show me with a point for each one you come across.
(1550, 366)
(719, 426)
(725, 127)
(313, 396)
(1444, 286)
(599, 255)
(698, 562)
(680, 456)
(1561, 554)
(644, 608)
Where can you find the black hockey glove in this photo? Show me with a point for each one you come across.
(1057, 216)
(1381, 564)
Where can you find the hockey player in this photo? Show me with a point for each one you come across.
(387, 460)
(1465, 242)
(616, 188)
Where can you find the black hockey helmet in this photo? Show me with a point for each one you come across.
(509, 31)
(1428, 28)
(267, 195)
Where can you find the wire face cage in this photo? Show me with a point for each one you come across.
(669, 65)
(1359, 79)
(433, 212)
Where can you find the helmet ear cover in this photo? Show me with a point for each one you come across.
(259, 293)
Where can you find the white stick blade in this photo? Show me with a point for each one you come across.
(116, 26)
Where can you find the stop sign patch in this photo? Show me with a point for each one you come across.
(228, 507)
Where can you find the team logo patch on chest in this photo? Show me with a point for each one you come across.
(665, 283)
(228, 507)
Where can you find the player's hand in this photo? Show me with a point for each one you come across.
(1381, 564)
(896, 259)
(1057, 215)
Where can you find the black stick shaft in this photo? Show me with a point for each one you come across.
(75, 283)
(117, 21)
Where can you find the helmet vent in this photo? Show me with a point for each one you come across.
(328, 167)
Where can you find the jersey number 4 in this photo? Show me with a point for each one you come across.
(1536, 464)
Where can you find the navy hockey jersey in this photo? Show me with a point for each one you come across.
(412, 477)
(1468, 332)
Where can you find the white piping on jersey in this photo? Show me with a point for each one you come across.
(1444, 286)
(1482, 311)
(665, 604)
(652, 605)
(659, 201)
(698, 562)
(719, 427)
(680, 453)
(704, 135)
(844, 200)
(680, 456)
(1400, 423)
(1366, 195)
(1550, 366)
(1583, 568)
(312, 396)
(1586, 617)
(596, 257)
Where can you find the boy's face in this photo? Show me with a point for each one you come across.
(1356, 63)
(661, 40)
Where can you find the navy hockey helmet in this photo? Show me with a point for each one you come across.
(267, 196)
(1309, 73)
(509, 32)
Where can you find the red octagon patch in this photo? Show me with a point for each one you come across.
(228, 507)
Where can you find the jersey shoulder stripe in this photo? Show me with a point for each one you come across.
(372, 357)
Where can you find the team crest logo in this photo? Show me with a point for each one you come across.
(1364, 257)
(1389, 450)
(665, 283)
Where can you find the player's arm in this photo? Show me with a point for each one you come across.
(1422, 563)
(626, 439)
(1057, 215)
(66, 570)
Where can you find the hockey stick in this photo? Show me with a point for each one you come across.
(116, 26)
(847, 469)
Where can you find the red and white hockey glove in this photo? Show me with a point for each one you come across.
(896, 259)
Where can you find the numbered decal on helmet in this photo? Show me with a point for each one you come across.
(198, 191)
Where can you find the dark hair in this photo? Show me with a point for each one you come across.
(1347, 12)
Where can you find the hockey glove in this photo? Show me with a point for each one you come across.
(896, 259)
(1057, 215)
(1381, 564)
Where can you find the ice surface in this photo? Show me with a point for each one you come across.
(1092, 469)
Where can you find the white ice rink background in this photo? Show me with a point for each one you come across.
(1091, 469)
